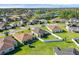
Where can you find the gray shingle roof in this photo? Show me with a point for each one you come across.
(66, 51)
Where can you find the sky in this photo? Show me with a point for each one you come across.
(39, 5)
(39, 1)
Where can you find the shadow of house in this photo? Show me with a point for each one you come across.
(14, 51)
(34, 39)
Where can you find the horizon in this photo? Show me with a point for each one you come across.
(39, 5)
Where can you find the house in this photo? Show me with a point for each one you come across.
(35, 21)
(39, 32)
(74, 20)
(42, 21)
(65, 51)
(14, 17)
(55, 28)
(7, 44)
(23, 37)
(38, 21)
(8, 27)
(72, 28)
(59, 20)
(1, 24)
(4, 19)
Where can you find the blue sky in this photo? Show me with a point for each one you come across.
(39, 5)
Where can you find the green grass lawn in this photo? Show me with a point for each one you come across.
(68, 35)
(41, 48)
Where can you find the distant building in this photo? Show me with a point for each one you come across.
(66, 51)
(59, 20)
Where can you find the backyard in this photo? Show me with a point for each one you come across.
(42, 48)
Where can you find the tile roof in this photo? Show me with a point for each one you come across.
(10, 40)
(6, 43)
(38, 30)
(23, 36)
(54, 27)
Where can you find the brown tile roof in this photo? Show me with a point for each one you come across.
(23, 37)
(6, 43)
(10, 40)
(54, 27)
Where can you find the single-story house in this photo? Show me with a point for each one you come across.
(59, 20)
(72, 28)
(1, 24)
(40, 32)
(65, 51)
(38, 21)
(7, 44)
(35, 21)
(8, 27)
(55, 28)
(74, 20)
(42, 21)
(23, 37)
(4, 19)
